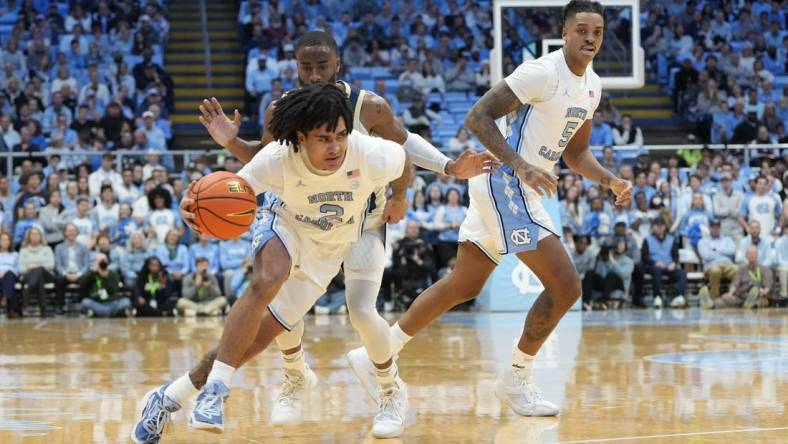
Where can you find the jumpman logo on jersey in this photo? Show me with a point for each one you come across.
(300, 183)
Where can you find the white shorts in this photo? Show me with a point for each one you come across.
(312, 268)
(504, 216)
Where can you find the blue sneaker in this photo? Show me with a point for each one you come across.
(208, 413)
(155, 416)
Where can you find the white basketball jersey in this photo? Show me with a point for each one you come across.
(328, 209)
(557, 102)
(356, 99)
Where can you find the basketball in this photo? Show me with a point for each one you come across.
(224, 205)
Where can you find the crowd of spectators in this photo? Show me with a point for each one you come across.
(87, 77)
(112, 232)
(419, 50)
(721, 61)
(699, 217)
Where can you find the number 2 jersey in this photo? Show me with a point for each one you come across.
(328, 209)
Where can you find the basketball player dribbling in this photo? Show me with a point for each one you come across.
(549, 104)
(317, 62)
(313, 185)
(363, 263)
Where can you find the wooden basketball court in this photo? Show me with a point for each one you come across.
(629, 376)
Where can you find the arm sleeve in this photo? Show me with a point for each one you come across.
(385, 160)
(265, 171)
(424, 154)
(529, 81)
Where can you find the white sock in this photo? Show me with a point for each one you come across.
(294, 361)
(398, 339)
(181, 389)
(386, 376)
(222, 372)
(522, 360)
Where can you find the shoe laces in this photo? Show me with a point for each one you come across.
(524, 380)
(390, 405)
(290, 387)
(210, 405)
(155, 423)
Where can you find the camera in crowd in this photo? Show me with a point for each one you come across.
(103, 265)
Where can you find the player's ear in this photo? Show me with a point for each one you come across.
(301, 137)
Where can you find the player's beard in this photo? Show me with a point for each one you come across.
(333, 79)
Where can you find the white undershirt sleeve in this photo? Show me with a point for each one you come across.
(424, 154)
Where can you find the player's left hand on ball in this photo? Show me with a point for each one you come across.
(186, 207)
(623, 191)
(395, 210)
(471, 164)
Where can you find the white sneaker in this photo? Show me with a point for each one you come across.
(678, 302)
(289, 401)
(390, 419)
(322, 310)
(190, 313)
(657, 302)
(515, 387)
(364, 370)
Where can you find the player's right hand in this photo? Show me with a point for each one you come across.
(219, 126)
(186, 207)
(539, 180)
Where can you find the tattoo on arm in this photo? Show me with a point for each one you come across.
(199, 374)
(538, 324)
(383, 122)
(496, 103)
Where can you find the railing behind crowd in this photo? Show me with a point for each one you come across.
(178, 160)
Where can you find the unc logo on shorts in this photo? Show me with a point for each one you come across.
(521, 236)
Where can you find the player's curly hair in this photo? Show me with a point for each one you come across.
(577, 6)
(307, 108)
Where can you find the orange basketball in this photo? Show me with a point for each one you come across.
(224, 205)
